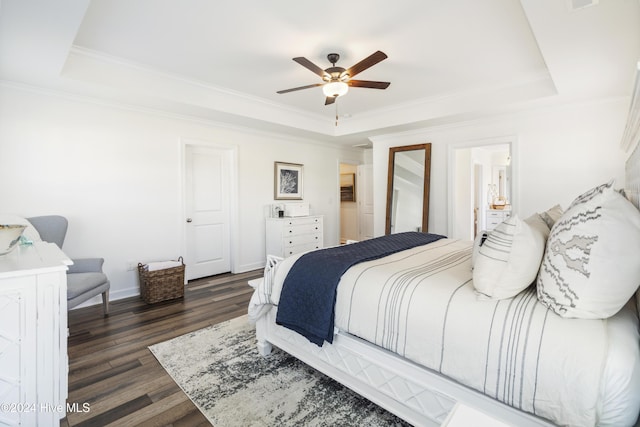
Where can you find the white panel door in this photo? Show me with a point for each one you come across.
(365, 201)
(207, 219)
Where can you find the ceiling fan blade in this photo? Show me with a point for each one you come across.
(300, 88)
(369, 61)
(330, 100)
(310, 66)
(368, 84)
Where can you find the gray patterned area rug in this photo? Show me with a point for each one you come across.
(219, 368)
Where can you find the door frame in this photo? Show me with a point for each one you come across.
(232, 152)
(361, 190)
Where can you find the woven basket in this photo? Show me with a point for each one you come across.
(161, 285)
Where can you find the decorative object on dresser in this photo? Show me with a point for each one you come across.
(296, 209)
(9, 236)
(289, 236)
(33, 332)
(288, 181)
(495, 217)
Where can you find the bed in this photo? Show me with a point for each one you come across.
(412, 332)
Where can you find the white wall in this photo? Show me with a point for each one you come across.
(559, 152)
(116, 174)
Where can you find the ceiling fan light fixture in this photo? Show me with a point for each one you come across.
(334, 89)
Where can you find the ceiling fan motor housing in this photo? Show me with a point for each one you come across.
(336, 74)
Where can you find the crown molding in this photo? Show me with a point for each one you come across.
(102, 102)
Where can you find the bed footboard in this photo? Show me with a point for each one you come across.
(418, 395)
(264, 346)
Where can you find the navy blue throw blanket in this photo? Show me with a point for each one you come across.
(308, 297)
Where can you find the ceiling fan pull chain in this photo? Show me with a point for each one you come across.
(336, 113)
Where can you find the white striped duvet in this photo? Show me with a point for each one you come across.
(421, 305)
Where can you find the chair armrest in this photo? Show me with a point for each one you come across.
(86, 265)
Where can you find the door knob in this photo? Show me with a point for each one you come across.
(189, 220)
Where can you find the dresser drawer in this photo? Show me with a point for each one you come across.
(302, 220)
(289, 236)
(495, 217)
(302, 239)
(298, 229)
(292, 250)
(493, 223)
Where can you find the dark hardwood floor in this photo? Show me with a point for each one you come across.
(113, 374)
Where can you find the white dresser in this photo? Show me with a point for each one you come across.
(495, 217)
(288, 236)
(33, 335)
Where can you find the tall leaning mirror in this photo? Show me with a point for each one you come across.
(408, 188)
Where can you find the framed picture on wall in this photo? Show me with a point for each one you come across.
(288, 182)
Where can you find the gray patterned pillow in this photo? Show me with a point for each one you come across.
(590, 267)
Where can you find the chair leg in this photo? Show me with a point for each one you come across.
(105, 303)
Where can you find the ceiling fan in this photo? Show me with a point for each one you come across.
(337, 79)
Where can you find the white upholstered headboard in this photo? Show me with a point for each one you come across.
(632, 191)
(632, 178)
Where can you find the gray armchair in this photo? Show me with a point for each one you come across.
(85, 278)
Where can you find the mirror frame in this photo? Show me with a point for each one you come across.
(427, 179)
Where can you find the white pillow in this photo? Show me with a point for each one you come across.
(509, 259)
(477, 243)
(590, 268)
